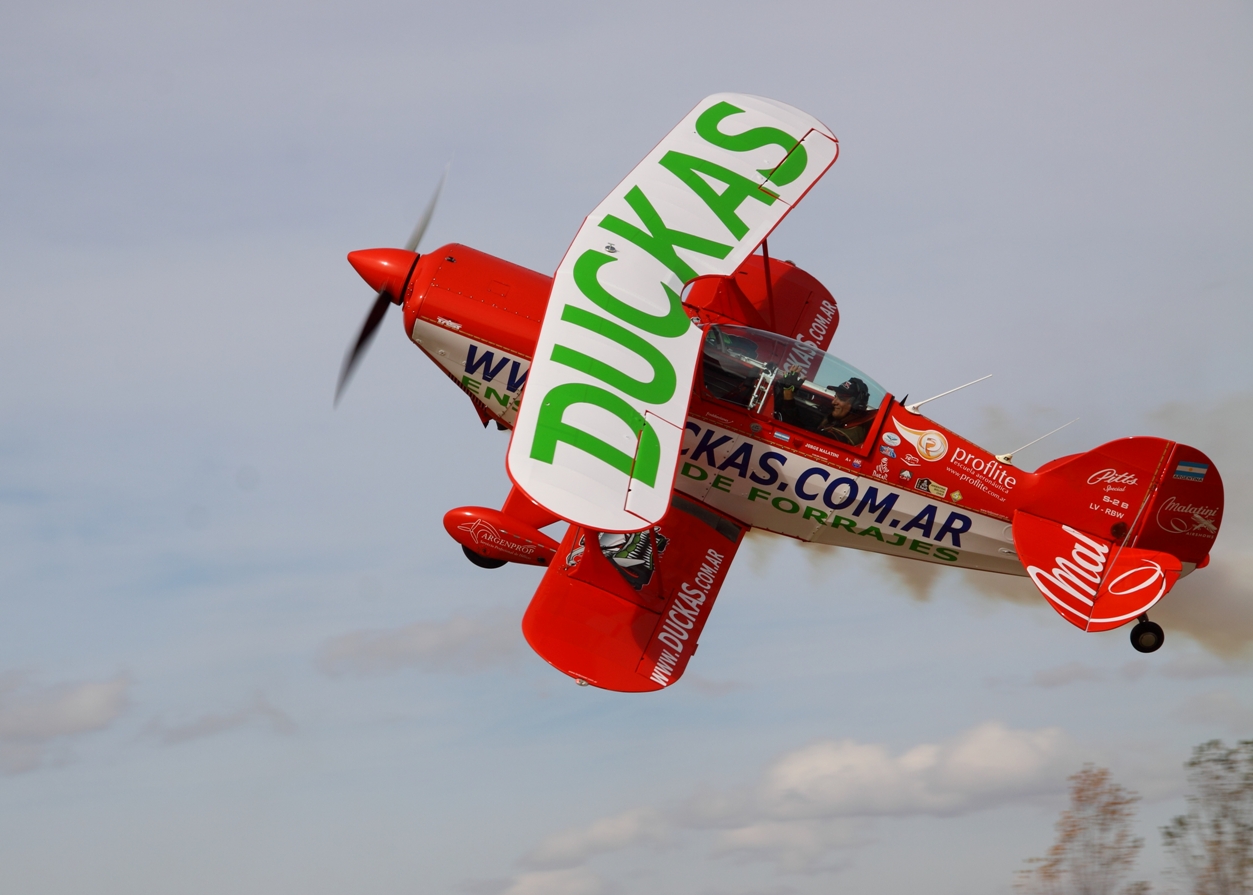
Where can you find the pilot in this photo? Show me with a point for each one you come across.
(843, 421)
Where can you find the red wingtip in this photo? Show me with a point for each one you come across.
(384, 269)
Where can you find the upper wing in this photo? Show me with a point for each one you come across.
(624, 611)
(776, 296)
(597, 437)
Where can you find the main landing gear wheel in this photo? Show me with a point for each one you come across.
(484, 562)
(1147, 636)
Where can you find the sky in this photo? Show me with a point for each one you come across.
(239, 653)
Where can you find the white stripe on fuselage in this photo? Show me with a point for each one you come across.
(769, 487)
(493, 376)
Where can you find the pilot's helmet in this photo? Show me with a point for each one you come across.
(853, 389)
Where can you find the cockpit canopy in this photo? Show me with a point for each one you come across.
(749, 367)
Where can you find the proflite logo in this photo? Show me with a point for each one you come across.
(991, 471)
(1079, 575)
(485, 533)
(930, 444)
(1180, 518)
(1112, 477)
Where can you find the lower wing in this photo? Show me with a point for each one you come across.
(625, 611)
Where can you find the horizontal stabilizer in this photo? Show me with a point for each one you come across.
(625, 611)
(1093, 583)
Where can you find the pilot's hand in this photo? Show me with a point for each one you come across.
(791, 379)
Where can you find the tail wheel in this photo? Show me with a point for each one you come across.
(1147, 636)
(484, 562)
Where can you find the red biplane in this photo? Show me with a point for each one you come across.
(679, 392)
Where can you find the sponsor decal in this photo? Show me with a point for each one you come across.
(906, 475)
(1079, 576)
(929, 487)
(487, 367)
(1191, 471)
(698, 204)
(891, 438)
(887, 451)
(820, 449)
(985, 473)
(804, 354)
(930, 444)
(492, 379)
(686, 611)
(1183, 518)
(822, 321)
(821, 494)
(881, 471)
(451, 324)
(856, 464)
(910, 460)
(482, 532)
(956, 496)
(1113, 477)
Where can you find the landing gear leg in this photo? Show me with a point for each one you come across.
(1147, 636)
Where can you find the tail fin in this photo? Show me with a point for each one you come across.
(1105, 535)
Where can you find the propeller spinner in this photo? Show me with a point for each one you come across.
(387, 271)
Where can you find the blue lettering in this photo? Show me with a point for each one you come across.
(828, 496)
(805, 476)
(517, 381)
(772, 474)
(954, 525)
(485, 361)
(707, 447)
(739, 459)
(695, 430)
(869, 501)
(923, 521)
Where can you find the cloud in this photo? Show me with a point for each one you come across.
(577, 881)
(1070, 673)
(260, 709)
(1214, 605)
(796, 846)
(31, 717)
(810, 805)
(1196, 667)
(572, 847)
(986, 766)
(1217, 708)
(460, 644)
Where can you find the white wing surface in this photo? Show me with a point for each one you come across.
(597, 436)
